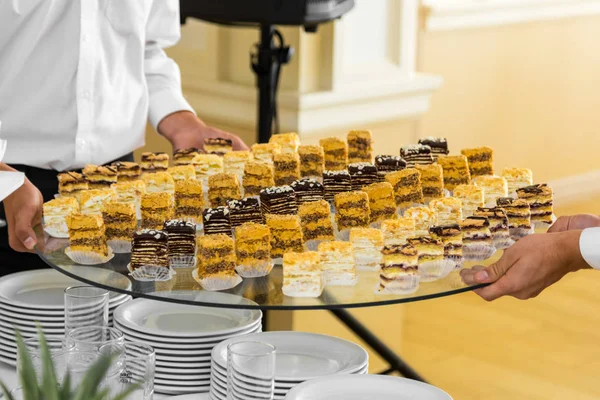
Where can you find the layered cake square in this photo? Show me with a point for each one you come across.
(156, 209)
(216, 221)
(517, 178)
(362, 174)
(264, 152)
(189, 200)
(182, 172)
(451, 237)
(307, 190)
(352, 210)
(160, 181)
(100, 176)
(448, 210)
(56, 212)
(388, 163)
(278, 200)
(456, 171)
(407, 187)
(360, 146)
(288, 142)
(381, 201)
(185, 156)
(540, 200)
(71, 184)
(481, 160)
(428, 248)
(87, 233)
(235, 161)
(424, 218)
(302, 275)
(149, 247)
(499, 225)
(258, 175)
(253, 245)
(399, 269)
(207, 165)
(367, 244)
(218, 146)
(432, 181)
(315, 219)
(120, 220)
(335, 182)
(312, 160)
(396, 231)
(222, 188)
(181, 237)
(154, 162)
(127, 171)
(286, 168)
(216, 256)
(493, 187)
(337, 263)
(286, 234)
(335, 152)
(476, 231)
(471, 197)
(243, 211)
(438, 145)
(416, 154)
(92, 201)
(518, 213)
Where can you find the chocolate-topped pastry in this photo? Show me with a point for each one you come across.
(399, 269)
(216, 220)
(185, 156)
(181, 237)
(416, 154)
(218, 146)
(476, 230)
(149, 247)
(127, 171)
(245, 210)
(362, 174)
(499, 225)
(307, 190)
(100, 176)
(71, 184)
(278, 200)
(439, 146)
(154, 162)
(518, 212)
(335, 182)
(540, 199)
(388, 163)
(451, 236)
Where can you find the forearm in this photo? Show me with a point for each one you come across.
(175, 127)
(4, 167)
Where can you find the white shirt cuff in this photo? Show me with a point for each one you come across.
(589, 245)
(166, 102)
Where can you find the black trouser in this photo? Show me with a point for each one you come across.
(46, 181)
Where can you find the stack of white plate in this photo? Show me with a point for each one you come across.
(366, 387)
(183, 337)
(299, 356)
(31, 297)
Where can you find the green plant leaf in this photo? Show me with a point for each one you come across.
(6, 392)
(93, 378)
(49, 383)
(65, 389)
(28, 376)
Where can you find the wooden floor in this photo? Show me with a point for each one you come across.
(545, 348)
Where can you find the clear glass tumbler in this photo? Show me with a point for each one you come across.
(85, 306)
(32, 345)
(250, 370)
(134, 364)
(92, 338)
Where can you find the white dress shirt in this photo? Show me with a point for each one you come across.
(589, 246)
(80, 78)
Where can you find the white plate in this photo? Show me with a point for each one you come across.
(286, 385)
(172, 382)
(187, 373)
(9, 181)
(184, 364)
(301, 356)
(219, 380)
(222, 393)
(10, 318)
(175, 343)
(172, 320)
(184, 377)
(194, 396)
(44, 289)
(176, 389)
(10, 330)
(351, 387)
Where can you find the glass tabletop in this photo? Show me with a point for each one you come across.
(258, 293)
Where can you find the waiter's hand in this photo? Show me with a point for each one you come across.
(529, 266)
(183, 129)
(23, 211)
(575, 222)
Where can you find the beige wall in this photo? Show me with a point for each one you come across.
(531, 91)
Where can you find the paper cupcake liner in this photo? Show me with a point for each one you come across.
(502, 242)
(120, 246)
(433, 270)
(520, 233)
(458, 261)
(58, 232)
(478, 252)
(182, 261)
(255, 271)
(340, 278)
(298, 290)
(313, 245)
(217, 283)
(87, 257)
(151, 273)
(343, 235)
(406, 285)
(277, 260)
(331, 207)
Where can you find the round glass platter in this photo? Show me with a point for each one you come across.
(257, 293)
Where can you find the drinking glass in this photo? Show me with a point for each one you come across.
(32, 345)
(134, 365)
(85, 306)
(250, 365)
(92, 338)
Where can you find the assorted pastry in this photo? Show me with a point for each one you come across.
(325, 210)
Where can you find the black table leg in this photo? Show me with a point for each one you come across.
(396, 363)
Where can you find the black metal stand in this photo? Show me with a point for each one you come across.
(266, 61)
(396, 363)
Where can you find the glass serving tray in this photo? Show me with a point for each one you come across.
(258, 293)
